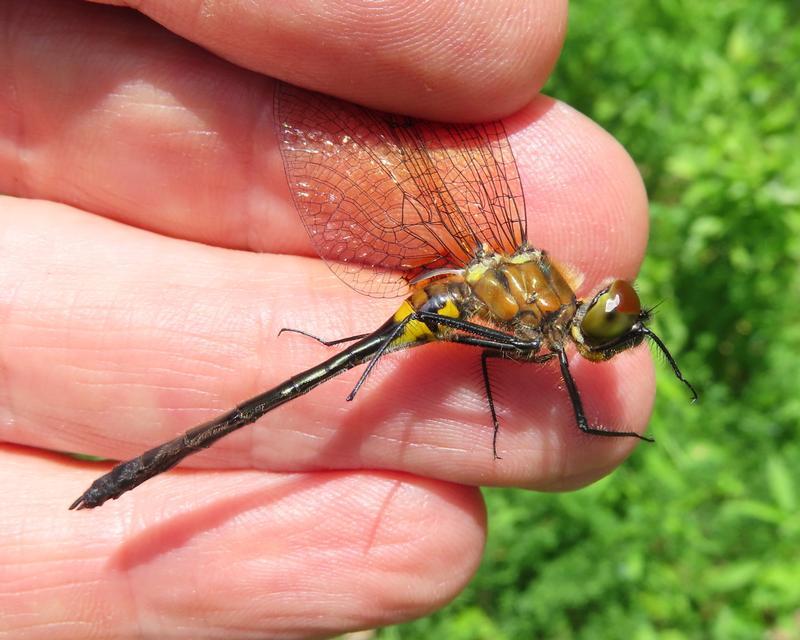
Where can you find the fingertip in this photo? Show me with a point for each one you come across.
(434, 540)
(468, 61)
(584, 196)
(313, 554)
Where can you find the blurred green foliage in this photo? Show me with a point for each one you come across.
(697, 536)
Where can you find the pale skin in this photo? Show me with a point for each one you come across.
(148, 260)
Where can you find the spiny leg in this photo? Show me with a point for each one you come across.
(481, 336)
(391, 336)
(327, 343)
(671, 361)
(495, 349)
(577, 406)
(485, 355)
(504, 341)
(474, 335)
(486, 337)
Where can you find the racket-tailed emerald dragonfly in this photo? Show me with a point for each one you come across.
(434, 211)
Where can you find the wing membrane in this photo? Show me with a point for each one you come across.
(386, 198)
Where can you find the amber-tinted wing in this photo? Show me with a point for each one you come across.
(386, 198)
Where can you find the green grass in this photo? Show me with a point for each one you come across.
(697, 536)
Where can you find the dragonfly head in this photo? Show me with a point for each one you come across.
(614, 321)
(610, 322)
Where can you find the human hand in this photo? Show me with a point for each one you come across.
(141, 308)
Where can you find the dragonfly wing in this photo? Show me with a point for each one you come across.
(386, 198)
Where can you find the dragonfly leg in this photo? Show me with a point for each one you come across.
(327, 343)
(671, 361)
(391, 335)
(577, 406)
(474, 334)
(505, 341)
(485, 355)
(493, 349)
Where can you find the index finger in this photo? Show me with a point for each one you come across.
(472, 60)
(173, 140)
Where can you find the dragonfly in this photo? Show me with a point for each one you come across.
(436, 212)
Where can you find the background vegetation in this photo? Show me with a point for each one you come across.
(699, 535)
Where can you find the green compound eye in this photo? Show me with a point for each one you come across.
(612, 314)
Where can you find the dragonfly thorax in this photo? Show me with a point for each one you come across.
(524, 293)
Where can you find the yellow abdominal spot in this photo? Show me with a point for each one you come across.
(449, 310)
(416, 330)
(403, 312)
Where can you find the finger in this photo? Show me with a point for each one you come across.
(115, 339)
(236, 554)
(585, 200)
(173, 140)
(473, 60)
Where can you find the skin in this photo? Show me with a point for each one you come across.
(149, 255)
